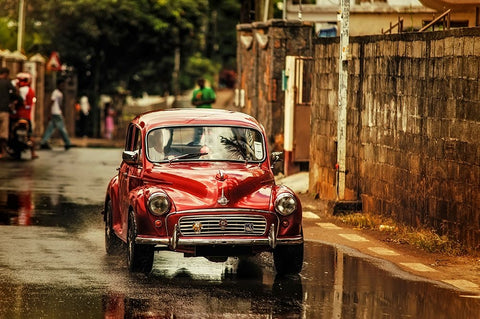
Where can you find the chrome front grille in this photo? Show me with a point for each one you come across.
(218, 225)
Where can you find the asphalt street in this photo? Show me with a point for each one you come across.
(53, 263)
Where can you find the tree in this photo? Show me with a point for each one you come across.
(128, 43)
(114, 43)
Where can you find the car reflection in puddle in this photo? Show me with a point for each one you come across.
(198, 288)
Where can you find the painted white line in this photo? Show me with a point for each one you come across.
(328, 226)
(418, 267)
(383, 251)
(310, 215)
(462, 284)
(353, 237)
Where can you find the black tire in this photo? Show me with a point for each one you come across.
(17, 155)
(139, 257)
(288, 259)
(113, 244)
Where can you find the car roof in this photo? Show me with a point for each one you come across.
(194, 116)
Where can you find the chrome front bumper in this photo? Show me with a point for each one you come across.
(175, 241)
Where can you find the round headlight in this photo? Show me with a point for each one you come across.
(158, 204)
(285, 204)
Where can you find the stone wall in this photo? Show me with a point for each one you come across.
(413, 132)
(261, 52)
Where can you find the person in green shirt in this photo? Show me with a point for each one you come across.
(203, 97)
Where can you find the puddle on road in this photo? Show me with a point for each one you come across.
(341, 285)
(24, 208)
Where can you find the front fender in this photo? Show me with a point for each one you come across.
(147, 223)
(291, 224)
(137, 200)
(112, 195)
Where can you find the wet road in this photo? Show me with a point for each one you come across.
(53, 264)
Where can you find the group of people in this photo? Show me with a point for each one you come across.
(17, 101)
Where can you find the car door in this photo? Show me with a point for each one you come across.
(125, 174)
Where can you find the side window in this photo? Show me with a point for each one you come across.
(133, 141)
(137, 140)
(128, 138)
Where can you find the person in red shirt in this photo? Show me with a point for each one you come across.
(25, 109)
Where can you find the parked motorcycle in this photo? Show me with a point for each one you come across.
(18, 140)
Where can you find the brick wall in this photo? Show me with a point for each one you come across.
(413, 132)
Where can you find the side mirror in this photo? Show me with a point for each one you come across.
(130, 157)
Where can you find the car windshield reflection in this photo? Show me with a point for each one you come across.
(205, 143)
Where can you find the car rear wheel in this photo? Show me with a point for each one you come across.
(139, 257)
(113, 244)
(288, 259)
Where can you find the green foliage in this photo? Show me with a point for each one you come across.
(128, 43)
(125, 43)
(8, 35)
(198, 66)
(221, 38)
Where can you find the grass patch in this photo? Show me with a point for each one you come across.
(430, 241)
(426, 239)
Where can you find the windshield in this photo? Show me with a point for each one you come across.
(219, 143)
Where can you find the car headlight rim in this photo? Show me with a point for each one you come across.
(286, 204)
(159, 204)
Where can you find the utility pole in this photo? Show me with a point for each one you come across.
(176, 73)
(342, 98)
(21, 25)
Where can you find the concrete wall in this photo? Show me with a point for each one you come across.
(413, 132)
(261, 52)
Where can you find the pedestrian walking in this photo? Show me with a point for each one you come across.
(7, 91)
(56, 118)
(25, 108)
(204, 96)
(84, 110)
(109, 120)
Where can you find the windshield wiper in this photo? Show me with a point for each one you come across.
(186, 156)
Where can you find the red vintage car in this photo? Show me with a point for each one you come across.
(199, 181)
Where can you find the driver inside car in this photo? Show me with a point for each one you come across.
(156, 146)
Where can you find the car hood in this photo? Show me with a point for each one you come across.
(217, 185)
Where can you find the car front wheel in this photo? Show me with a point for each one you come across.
(113, 244)
(288, 259)
(139, 257)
